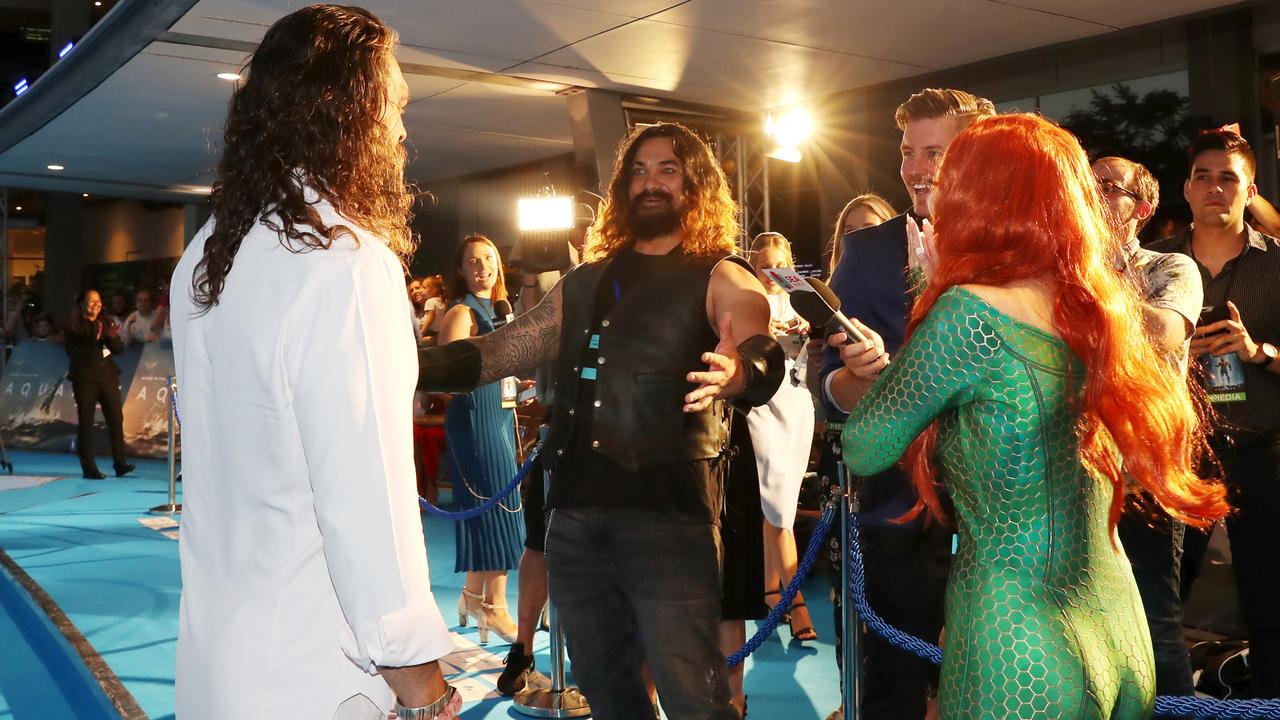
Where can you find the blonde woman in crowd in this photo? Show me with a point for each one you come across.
(782, 434)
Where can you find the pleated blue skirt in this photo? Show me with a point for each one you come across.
(480, 438)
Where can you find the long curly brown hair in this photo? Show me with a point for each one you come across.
(309, 116)
(710, 218)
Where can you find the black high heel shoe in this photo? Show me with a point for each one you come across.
(807, 633)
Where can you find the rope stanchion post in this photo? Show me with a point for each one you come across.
(851, 620)
(173, 507)
(558, 701)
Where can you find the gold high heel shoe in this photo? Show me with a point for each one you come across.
(509, 637)
(472, 604)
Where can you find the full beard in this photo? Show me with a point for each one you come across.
(646, 224)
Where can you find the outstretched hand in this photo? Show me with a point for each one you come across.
(723, 378)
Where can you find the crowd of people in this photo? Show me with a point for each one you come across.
(1034, 442)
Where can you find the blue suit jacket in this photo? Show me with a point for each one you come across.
(871, 282)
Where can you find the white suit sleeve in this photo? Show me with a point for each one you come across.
(351, 370)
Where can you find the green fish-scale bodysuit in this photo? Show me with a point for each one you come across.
(1043, 615)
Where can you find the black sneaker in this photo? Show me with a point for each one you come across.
(125, 469)
(518, 669)
(94, 474)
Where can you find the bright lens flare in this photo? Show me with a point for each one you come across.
(545, 213)
(792, 128)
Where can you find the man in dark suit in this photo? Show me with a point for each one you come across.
(95, 379)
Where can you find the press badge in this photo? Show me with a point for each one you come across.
(1223, 377)
(509, 391)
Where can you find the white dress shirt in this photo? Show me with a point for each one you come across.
(303, 561)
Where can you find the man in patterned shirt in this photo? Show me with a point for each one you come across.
(1170, 286)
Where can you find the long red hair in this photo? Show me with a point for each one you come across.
(1017, 200)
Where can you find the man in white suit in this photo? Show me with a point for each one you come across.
(305, 579)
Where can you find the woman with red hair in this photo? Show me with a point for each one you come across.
(1025, 379)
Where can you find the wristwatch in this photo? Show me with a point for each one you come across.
(1269, 354)
(426, 712)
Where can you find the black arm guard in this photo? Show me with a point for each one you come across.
(453, 368)
(763, 364)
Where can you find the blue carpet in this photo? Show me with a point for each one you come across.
(118, 582)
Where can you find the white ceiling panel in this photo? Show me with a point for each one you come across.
(495, 109)
(911, 32)
(720, 68)
(157, 120)
(441, 153)
(1123, 14)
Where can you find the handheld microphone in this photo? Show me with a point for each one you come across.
(502, 314)
(822, 309)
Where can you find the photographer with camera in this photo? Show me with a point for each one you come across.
(1235, 344)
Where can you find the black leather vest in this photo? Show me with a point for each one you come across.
(649, 342)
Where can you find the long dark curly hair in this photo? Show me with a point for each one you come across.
(710, 220)
(309, 119)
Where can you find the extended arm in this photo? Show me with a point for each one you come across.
(520, 346)
(750, 371)
(935, 371)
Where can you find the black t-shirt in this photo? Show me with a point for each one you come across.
(584, 477)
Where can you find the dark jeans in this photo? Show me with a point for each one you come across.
(636, 585)
(1252, 470)
(87, 396)
(1153, 542)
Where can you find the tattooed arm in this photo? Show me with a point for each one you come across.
(523, 344)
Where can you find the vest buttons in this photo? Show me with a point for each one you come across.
(595, 443)
(575, 368)
(559, 452)
(600, 361)
(596, 404)
(604, 323)
(570, 411)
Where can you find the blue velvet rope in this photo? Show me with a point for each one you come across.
(487, 505)
(770, 623)
(1176, 706)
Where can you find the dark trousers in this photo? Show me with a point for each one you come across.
(906, 578)
(906, 570)
(1153, 542)
(637, 585)
(88, 395)
(1252, 468)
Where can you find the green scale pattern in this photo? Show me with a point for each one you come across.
(1043, 615)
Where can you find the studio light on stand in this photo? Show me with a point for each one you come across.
(548, 223)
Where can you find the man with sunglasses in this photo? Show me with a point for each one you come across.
(1172, 292)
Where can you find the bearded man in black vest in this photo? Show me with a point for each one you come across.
(645, 337)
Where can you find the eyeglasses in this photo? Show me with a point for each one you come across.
(1111, 188)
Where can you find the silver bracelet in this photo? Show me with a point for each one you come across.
(426, 712)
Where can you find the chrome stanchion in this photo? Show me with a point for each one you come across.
(558, 701)
(851, 622)
(172, 507)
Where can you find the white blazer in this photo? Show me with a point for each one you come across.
(303, 560)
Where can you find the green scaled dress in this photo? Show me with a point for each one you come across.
(1043, 615)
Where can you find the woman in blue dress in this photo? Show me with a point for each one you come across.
(480, 436)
